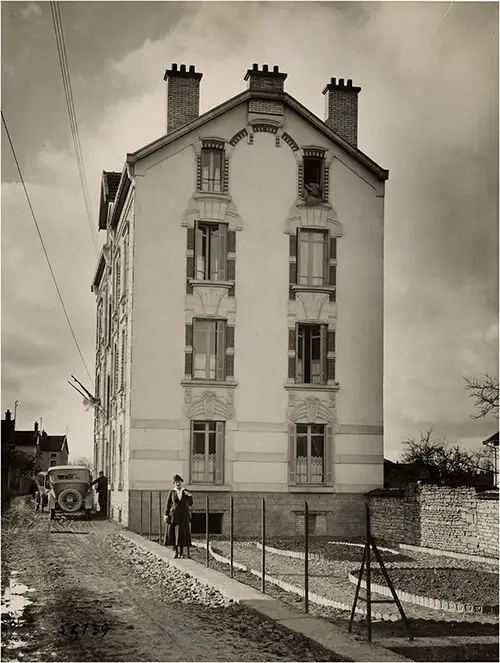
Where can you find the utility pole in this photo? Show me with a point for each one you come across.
(15, 409)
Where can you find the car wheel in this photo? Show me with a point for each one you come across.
(70, 500)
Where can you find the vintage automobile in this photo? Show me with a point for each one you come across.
(70, 492)
(42, 491)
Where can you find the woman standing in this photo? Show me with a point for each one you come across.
(177, 517)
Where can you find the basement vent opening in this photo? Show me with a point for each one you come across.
(198, 523)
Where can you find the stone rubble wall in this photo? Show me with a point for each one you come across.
(442, 517)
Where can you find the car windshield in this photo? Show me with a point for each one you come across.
(70, 475)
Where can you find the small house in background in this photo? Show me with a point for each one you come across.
(53, 451)
(27, 442)
(399, 475)
(492, 443)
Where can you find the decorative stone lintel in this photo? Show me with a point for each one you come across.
(203, 402)
(207, 206)
(320, 215)
(308, 408)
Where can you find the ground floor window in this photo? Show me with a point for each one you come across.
(310, 454)
(207, 452)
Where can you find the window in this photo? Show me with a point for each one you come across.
(207, 452)
(108, 397)
(310, 453)
(53, 463)
(212, 170)
(113, 458)
(122, 364)
(310, 366)
(109, 321)
(313, 168)
(120, 460)
(211, 252)
(312, 257)
(209, 349)
(117, 281)
(53, 455)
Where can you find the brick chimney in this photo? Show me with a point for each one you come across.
(8, 415)
(183, 95)
(265, 80)
(342, 109)
(35, 427)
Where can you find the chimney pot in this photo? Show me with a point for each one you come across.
(255, 67)
(265, 68)
(341, 81)
(349, 82)
(191, 68)
(183, 67)
(174, 66)
(276, 69)
(35, 428)
(8, 415)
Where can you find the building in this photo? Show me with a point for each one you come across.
(26, 442)
(240, 311)
(492, 443)
(53, 451)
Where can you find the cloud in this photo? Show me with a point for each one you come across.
(32, 9)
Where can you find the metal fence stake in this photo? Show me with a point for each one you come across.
(263, 584)
(159, 517)
(231, 536)
(306, 557)
(207, 513)
(368, 576)
(140, 526)
(150, 514)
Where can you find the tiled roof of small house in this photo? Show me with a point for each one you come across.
(25, 438)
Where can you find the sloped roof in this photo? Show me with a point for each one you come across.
(25, 438)
(52, 442)
(109, 186)
(243, 97)
(493, 440)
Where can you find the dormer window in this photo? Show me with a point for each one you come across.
(212, 167)
(313, 176)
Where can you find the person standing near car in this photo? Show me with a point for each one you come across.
(177, 517)
(102, 493)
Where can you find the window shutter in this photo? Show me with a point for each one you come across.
(333, 275)
(331, 369)
(331, 340)
(221, 350)
(323, 336)
(229, 357)
(189, 335)
(231, 241)
(329, 455)
(292, 335)
(333, 248)
(219, 452)
(222, 252)
(292, 278)
(190, 239)
(292, 454)
(293, 245)
(188, 364)
(189, 274)
(231, 269)
(299, 365)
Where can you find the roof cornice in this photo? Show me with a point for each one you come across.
(101, 264)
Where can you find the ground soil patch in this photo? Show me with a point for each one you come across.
(448, 584)
(332, 550)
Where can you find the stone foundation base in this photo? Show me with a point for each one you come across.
(334, 514)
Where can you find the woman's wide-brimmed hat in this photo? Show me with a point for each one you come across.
(177, 477)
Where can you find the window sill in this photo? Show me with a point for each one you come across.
(208, 383)
(310, 488)
(199, 195)
(299, 287)
(301, 202)
(298, 386)
(211, 284)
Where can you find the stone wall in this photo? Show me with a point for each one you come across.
(454, 519)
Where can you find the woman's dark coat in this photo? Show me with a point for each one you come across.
(178, 519)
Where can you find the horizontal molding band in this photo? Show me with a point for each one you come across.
(253, 426)
(260, 457)
(157, 454)
(262, 426)
(158, 424)
(359, 429)
(358, 459)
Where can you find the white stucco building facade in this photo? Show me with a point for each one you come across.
(240, 311)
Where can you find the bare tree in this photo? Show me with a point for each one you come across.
(84, 462)
(446, 464)
(484, 391)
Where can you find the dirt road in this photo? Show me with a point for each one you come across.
(98, 598)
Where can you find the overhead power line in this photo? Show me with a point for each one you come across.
(73, 122)
(43, 246)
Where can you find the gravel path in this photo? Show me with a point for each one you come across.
(85, 573)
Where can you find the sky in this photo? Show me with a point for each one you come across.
(428, 111)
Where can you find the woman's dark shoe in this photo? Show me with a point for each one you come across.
(176, 555)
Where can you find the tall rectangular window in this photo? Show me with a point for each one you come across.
(209, 349)
(212, 170)
(310, 454)
(312, 257)
(211, 252)
(310, 365)
(120, 460)
(207, 451)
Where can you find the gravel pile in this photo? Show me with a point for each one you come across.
(174, 585)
